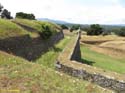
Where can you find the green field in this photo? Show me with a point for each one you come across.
(102, 60)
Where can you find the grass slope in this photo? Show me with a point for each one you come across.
(9, 29)
(103, 61)
(19, 75)
(35, 24)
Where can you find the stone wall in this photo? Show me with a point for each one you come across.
(94, 78)
(27, 47)
(55, 38)
(76, 53)
(110, 80)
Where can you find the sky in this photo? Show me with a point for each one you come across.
(75, 11)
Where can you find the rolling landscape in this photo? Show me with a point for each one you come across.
(47, 55)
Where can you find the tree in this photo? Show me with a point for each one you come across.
(6, 14)
(25, 16)
(75, 27)
(64, 26)
(95, 29)
(121, 32)
(1, 7)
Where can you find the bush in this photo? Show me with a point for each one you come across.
(46, 31)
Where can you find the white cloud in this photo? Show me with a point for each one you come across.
(78, 11)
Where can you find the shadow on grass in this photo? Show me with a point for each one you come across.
(84, 61)
(57, 49)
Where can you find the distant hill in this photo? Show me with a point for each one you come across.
(54, 21)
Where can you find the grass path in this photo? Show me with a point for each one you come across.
(102, 61)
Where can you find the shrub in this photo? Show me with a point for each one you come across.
(46, 32)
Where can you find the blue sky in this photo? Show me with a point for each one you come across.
(76, 11)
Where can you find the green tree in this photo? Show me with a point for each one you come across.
(64, 26)
(25, 16)
(1, 7)
(95, 29)
(6, 14)
(75, 27)
(122, 32)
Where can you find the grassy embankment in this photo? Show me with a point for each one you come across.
(9, 29)
(37, 24)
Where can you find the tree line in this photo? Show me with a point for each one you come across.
(4, 13)
(96, 29)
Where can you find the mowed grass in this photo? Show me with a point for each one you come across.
(9, 29)
(27, 77)
(102, 60)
